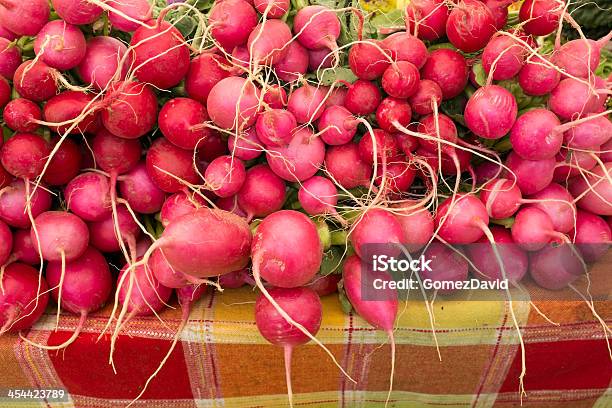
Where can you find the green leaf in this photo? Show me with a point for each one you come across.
(480, 74)
(332, 261)
(345, 304)
(329, 76)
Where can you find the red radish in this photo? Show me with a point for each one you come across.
(377, 226)
(225, 176)
(233, 103)
(461, 219)
(229, 251)
(443, 129)
(592, 235)
(247, 146)
(406, 47)
(325, 285)
(427, 19)
(24, 17)
(20, 113)
(571, 162)
(401, 79)
(369, 59)
(300, 159)
(470, 25)
(9, 35)
(303, 306)
(139, 190)
(594, 192)
(417, 224)
(76, 12)
(102, 58)
(170, 167)
(88, 196)
(393, 110)
(337, 96)
(165, 273)
(232, 21)
(386, 146)
(486, 171)
(5, 92)
(572, 99)
(306, 103)
(10, 58)
(65, 164)
(180, 121)
(35, 81)
(23, 299)
(504, 56)
(160, 55)
(448, 69)
(398, 177)
(501, 197)
(580, 58)
(318, 196)
(486, 265)
(558, 204)
(23, 248)
(6, 242)
(138, 11)
(178, 205)
(13, 204)
(531, 175)
(294, 63)
(5, 177)
(230, 204)
(534, 135)
(362, 98)
(540, 17)
(533, 229)
(144, 295)
(267, 42)
(24, 155)
(103, 234)
(319, 59)
(606, 152)
(554, 267)
(427, 94)
(205, 71)
(499, 11)
(491, 112)
(60, 45)
(337, 125)
(317, 27)
(275, 96)
(275, 127)
(346, 167)
(114, 154)
(211, 147)
(536, 78)
(262, 193)
(71, 106)
(446, 265)
(407, 143)
(61, 235)
(590, 133)
(272, 8)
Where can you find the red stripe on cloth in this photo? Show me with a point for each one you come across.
(83, 367)
(562, 365)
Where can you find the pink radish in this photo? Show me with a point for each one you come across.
(60, 45)
(20, 114)
(275, 96)
(540, 17)
(446, 265)
(262, 193)
(272, 8)
(88, 196)
(427, 19)
(571, 162)
(170, 167)
(427, 95)
(9, 35)
(204, 72)
(533, 229)
(589, 133)
(246, 146)
(267, 42)
(572, 99)
(68, 107)
(145, 295)
(164, 273)
(501, 197)
(10, 58)
(470, 25)
(13, 204)
(63, 236)
(417, 224)
(362, 98)
(233, 102)
(504, 56)
(300, 159)
(130, 110)
(65, 164)
(580, 58)
(318, 196)
(558, 204)
(104, 233)
(139, 11)
(77, 12)
(179, 204)
(337, 125)
(594, 192)
(406, 47)
(461, 219)
(24, 154)
(294, 63)
(369, 59)
(325, 285)
(5, 92)
(534, 135)
(6, 242)
(441, 130)
(24, 17)
(139, 190)
(386, 146)
(536, 78)
(306, 103)
(101, 61)
(392, 110)
(114, 154)
(23, 248)
(230, 204)
(35, 81)
(377, 226)
(592, 235)
(448, 69)
(319, 59)
(491, 112)
(554, 267)
(275, 127)
(337, 96)
(180, 121)
(401, 79)
(345, 166)
(232, 21)
(24, 298)
(225, 176)
(531, 175)
(317, 27)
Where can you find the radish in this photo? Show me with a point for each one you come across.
(337, 125)
(170, 167)
(179, 204)
(555, 267)
(165, 273)
(10, 58)
(534, 135)
(392, 110)
(442, 129)
(294, 63)
(486, 171)
(230, 204)
(318, 196)
(275, 96)
(211, 147)
(504, 56)
(160, 55)
(35, 81)
(101, 61)
(205, 71)
(580, 58)
(571, 99)
(61, 236)
(76, 12)
(399, 176)
(65, 164)
(303, 306)
(491, 112)
(247, 146)
(88, 196)
(540, 17)
(533, 229)
(531, 175)
(71, 106)
(6, 242)
(225, 176)
(24, 17)
(23, 248)
(536, 78)
(13, 204)
(233, 103)
(138, 11)
(499, 11)
(571, 162)
(5, 177)
(114, 154)
(9, 35)
(346, 167)
(317, 27)
(461, 219)
(470, 25)
(272, 8)
(5, 92)
(319, 59)
(236, 279)
(24, 154)
(417, 224)
(267, 42)
(337, 96)
(362, 98)
(587, 133)
(448, 69)
(427, 94)
(300, 159)
(179, 121)
(325, 285)
(407, 143)
(232, 21)
(606, 152)
(447, 265)
(262, 193)
(377, 226)
(20, 114)
(427, 19)
(592, 235)
(594, 192)
(386, 146)
(139, 190)
(406, 47)
(401, 79)
(275, 127)
(558, 204)
(24, 298)
(60, 45)
(143, 295)
(306, 103)
(104, 233)
(501, 197)
(369, 59)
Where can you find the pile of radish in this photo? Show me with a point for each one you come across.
(242, 142)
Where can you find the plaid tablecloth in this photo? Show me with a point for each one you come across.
(222, 361)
